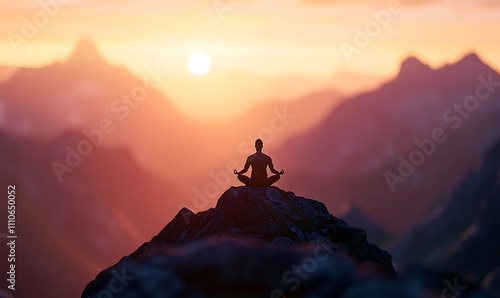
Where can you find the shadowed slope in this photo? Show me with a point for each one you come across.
(246, 243)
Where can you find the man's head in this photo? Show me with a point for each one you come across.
(258, 145)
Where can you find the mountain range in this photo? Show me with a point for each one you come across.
(458, 234)
(69, 229)
(365, 137)
(82, 91)
(335, 149)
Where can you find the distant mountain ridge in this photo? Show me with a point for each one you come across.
(412, 67)
(85, 54)
(459, 234)
(365, 136)
(73, 227)
(353, 215)
(85, 89)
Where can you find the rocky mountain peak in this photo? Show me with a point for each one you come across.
(412, 67)
(85, 53)
(471, 63)
(272, 228)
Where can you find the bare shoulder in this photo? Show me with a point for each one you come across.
(267, 157)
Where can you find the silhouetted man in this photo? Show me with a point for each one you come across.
(259, 162)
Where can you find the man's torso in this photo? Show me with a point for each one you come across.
(259, 163)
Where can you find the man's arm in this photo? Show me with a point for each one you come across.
(245, 169)
(271, 167)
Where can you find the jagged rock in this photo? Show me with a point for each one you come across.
(272, 215)
(245, 246)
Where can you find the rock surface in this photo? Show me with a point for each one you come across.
(271, 215)
(245, 246)
(265, 242)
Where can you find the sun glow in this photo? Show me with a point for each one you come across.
(199, 63)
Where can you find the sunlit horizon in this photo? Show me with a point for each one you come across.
(223, 94)
(259, 51)
(135, 131)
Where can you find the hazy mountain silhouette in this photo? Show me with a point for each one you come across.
(307, 111)
(85, 55)
(83, 90)
(460, 233)
(412, 68)
(348, 153)
(111, 202)
(70, 229)
(355, 217)
(6, 72)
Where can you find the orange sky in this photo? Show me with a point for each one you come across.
(259, 49)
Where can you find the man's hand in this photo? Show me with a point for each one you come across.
(282, 172)
(236, 172)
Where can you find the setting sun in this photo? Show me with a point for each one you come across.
(199, 63)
